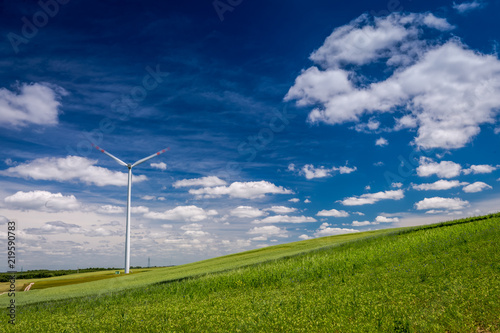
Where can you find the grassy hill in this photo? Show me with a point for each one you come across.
(438, 278)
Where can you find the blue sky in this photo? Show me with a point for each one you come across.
(284, 122)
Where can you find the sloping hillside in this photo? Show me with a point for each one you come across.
(439, 278)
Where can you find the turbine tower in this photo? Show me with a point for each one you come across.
(129, 166)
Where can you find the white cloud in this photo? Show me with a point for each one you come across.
(441, 203)
(294, 200)
(364, 40)
(268, 231)
(60, 227)
(247, 190)
(304, 237)
(443, 169)
(209, 181)
(476, 169)
(161, 166)
(139, 210)
(476, 187)
(310, 172)
(69, 169)
(148, 197)
(346, 169)
(466, 7)
(371, 198)
(291, 167)
(282, 209)
(384, 219)
(185, 213)
(42, 201)
(426, 74)
(35, 103)
(333, 212)
(381, 142)
(56, 227)
(285, 219)
(307, 201)
(438, 185)
(247, 212)
(397, 185)
(360, 224)
(110, 209)
(194, 230)
(326, 230)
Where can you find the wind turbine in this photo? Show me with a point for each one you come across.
(129, 166)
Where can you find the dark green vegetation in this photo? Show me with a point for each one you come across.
(45, 273)
(439, 278)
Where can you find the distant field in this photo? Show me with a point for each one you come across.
(65, 280)
(438, 278)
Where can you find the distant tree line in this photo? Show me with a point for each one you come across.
(45, 273)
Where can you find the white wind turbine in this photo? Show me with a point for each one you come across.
(129, 166)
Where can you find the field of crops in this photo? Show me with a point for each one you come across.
(441, 278)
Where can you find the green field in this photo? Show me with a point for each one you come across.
(438, 278)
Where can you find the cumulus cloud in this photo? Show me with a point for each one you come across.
(294, 200)
(384, 219)
(426, 75)
(42, 201)
(285, 219)
(379, 219)
(476, 187)
(70, 168)
(381, 142)
(311, 172)
(326, 230)
(371, 198)
(476, 169)
(35, 103)
(183, 213)
(110, 209)
(360, 224)
(247, 212)
(441, 203)
(268, 231)
(194, 230)
(161, 166)
(246, 190)
(281, 209)
(60, 227)
(438, 185)
(443, 169)
(209, 181)
(333, 212)
(466, 7)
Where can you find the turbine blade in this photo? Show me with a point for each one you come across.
(149, 157)
(113, 157)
